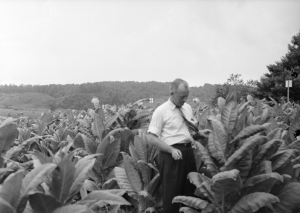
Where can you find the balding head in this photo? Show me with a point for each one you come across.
(178, 83)
(179, 90)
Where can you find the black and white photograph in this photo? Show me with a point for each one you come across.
(149, 106)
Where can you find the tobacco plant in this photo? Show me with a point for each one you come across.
(52, 183)
(139, 175)
(254, 166)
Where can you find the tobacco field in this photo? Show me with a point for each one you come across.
(102, 160)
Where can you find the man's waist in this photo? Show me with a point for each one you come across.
(176, 145)
(184, 143)
(177, 139)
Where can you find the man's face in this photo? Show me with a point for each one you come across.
(180, 96)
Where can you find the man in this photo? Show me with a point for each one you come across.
(171, 134)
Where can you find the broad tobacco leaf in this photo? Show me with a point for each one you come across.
(32, 180)
(145, 171)
(111, 184)
(141, 148)
(249, 131)
(247, 145)
(289, 198)
(219, 139)
(42, 203)
(273, 125)
(275, 134)
(154, 184)
(6, 207)
(11, 188)
(109, 150)
(296, 172)
(132, 174)
(202, 119)
(281, 159)
(79, 141)
(244, 165)
(240, 123)
(265, 167)
(261, 183)
(258, 108)
(264, 115)
(193, 202)
(8, 133)
(267, 151)
(145, 200)
(294, 125)
(245, 133)
(230, 112)
(97, 126)
(74, 208)
(111, 154)
(187, 210)
(197, 179)
(253, 202)
(62, 179)
(221, 104)
(205, 157)
(108, 196)
(202, 184)
(226, 182)
(83, 166)
(110, 121)
(123, 181)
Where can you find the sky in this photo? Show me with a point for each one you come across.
(66, 42)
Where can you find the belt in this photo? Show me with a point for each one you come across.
(182, 145)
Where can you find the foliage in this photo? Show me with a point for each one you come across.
(140, 175)
(52, 105)
(251, 157)
(273, 82)
(243, 89)
(78, 96)
(68, 161)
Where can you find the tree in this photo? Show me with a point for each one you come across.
(273, 83)
(243, 89)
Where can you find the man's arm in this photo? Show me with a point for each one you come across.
(155, 141)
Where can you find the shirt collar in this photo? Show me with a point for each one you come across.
(172, 105)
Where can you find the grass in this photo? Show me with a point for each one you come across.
(32, 113)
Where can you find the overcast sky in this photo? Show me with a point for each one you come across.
(60, 42)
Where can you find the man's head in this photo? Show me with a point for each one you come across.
(179, 91)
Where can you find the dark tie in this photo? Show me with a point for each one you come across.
(192, 127)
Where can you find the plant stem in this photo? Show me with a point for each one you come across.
(223, 202)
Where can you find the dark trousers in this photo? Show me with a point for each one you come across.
(174, 177)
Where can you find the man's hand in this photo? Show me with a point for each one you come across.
(204, 133)
(176, 154)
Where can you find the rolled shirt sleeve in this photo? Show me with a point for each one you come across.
(156, 124)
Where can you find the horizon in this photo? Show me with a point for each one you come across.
(96, 82)
(75, 42)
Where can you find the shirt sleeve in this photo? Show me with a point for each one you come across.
(156, 124)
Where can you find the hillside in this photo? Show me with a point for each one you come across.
(78, 96)
(30, 104)
(28, 100)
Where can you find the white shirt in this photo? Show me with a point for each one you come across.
(167, 123)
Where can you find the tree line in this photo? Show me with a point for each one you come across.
(109, 92)
(272, 83)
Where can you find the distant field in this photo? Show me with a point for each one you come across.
(30, 100)
(26, 112)
(30, 104)
(33, 104)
